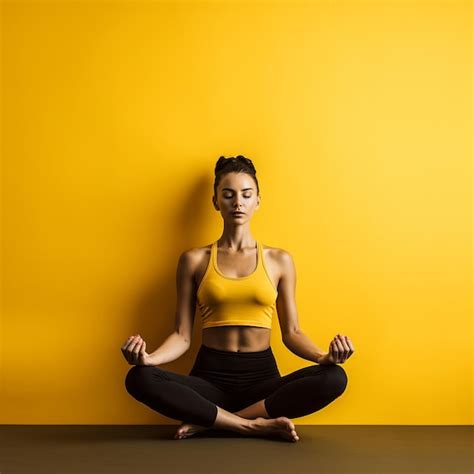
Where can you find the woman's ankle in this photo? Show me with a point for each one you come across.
(230, 421)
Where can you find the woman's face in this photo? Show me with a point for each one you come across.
(236, 192)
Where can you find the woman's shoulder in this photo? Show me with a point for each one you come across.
(195, 260)
(277, 258)
(196, 254)
(276, 252)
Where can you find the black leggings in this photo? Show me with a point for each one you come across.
(232, 381)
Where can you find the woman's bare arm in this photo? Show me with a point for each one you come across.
(179, 341)
(292, 335)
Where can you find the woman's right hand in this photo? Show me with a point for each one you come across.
(134, 351)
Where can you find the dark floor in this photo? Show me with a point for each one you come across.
(70, 449)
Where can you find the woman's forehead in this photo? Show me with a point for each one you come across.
(237, 181)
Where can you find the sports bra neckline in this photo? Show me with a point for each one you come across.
(216, 268)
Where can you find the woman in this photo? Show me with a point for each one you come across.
(235, 383)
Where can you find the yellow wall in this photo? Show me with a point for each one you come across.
(358, 118)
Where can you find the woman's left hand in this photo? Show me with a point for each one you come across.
(340, 349)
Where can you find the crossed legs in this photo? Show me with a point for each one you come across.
(264, 408)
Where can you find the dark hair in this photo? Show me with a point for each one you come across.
(238, 164)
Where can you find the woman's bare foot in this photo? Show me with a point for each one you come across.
(280, 427)
(188, 429)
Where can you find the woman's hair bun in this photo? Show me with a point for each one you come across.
(222, 162)
(247, 161)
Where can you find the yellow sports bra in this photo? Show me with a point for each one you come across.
(242, 301)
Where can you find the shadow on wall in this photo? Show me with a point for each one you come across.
(153, 312)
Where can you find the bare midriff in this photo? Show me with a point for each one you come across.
(237, 338)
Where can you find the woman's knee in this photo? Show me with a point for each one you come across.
(336, 379)
(137, 378)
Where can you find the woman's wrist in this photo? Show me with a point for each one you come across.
(323, 359)
(152, 360)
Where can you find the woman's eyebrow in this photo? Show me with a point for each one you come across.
(230, 189)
